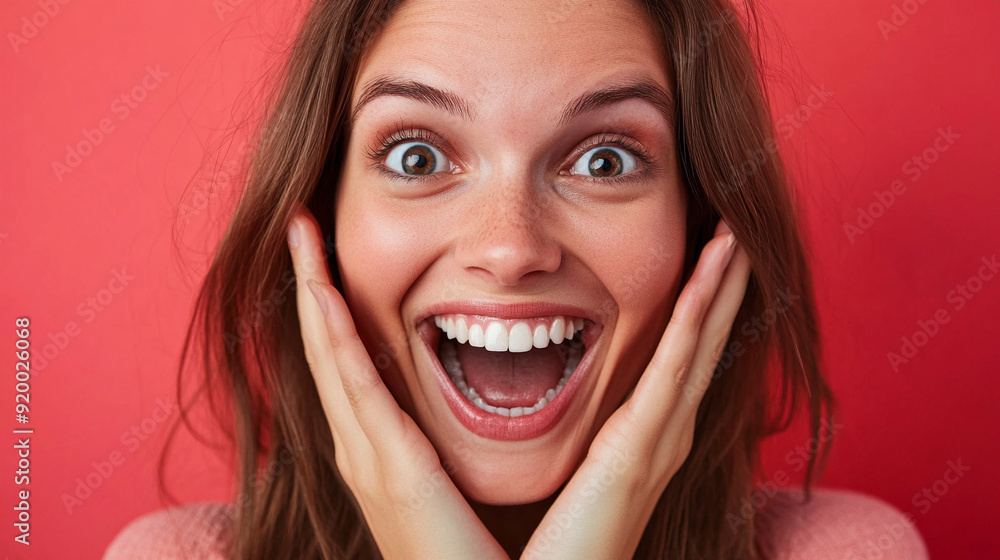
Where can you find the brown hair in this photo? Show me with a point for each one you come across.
(292, 503)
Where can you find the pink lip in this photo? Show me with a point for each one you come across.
(524, 310)
(494, 426)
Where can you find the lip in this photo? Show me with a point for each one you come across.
(494, 426)
(506, 311)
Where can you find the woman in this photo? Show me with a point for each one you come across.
(519, 235)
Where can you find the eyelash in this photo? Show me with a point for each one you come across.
(384, 143)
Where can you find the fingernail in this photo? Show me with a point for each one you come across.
(730, 249)
(293, 234)
(318, 294)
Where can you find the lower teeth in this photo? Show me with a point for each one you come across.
(449, 359)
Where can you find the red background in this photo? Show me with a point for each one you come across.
(148, 203)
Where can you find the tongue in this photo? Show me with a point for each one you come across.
(512, 379)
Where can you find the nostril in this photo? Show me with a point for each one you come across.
(509, 268)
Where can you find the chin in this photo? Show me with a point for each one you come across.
(499, 481)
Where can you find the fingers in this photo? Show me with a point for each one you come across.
(381, 453)
(667, 374)
(309, 262)
(357, 402)
(373, 406)
(643, 444)
(716, 328)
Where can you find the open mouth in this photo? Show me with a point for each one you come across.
(509, 379)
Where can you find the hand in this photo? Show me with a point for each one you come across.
(604, 508)
(381, 453)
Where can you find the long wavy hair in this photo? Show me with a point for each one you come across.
(244, 337)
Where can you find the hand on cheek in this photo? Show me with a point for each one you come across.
(389, 464)
(384, 458)
(604, 508)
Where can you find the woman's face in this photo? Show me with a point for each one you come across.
(510, 178)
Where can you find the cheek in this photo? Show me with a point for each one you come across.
(638, 256)
(379, 252)
(644, 282)
(644, 294)
(640, 264)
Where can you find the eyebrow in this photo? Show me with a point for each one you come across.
(591, 101)
(388, 86)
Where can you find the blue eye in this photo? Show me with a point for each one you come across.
(416, 158)
(604, 161)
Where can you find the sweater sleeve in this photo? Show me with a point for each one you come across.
(197, 531)
(837, 525)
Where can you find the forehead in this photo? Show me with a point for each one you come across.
(529, 54)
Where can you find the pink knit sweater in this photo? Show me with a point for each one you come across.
(835, 525)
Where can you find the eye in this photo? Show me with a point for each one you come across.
(604, 161)
(416, 158)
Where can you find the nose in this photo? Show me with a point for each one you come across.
(508, 237)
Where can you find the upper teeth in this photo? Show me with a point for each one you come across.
(506, 336)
